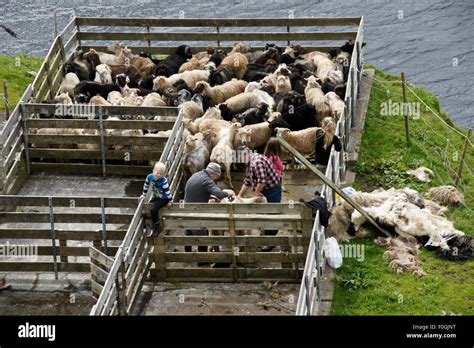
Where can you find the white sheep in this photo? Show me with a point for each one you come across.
(283, 84)
(336, 104)
(67, 86)
(153, 99)
(253, 136)
(103, 74)
(221, 93)
(114, 97)
(63, 98)
(223, 152)
(315, 97)
(304, 141)
(191, 109)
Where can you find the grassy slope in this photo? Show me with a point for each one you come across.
(17, 76)
(370, 287)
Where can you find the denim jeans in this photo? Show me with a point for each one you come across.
(273, 195)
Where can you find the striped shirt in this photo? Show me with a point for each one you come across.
(160, 187)
(260, 171)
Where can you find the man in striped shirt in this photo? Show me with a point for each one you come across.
(260, 175)
(161, 194)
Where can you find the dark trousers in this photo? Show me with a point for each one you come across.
(201, 248)
(158, 203)
(273, 195)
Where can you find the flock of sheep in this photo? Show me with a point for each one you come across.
(229, 100)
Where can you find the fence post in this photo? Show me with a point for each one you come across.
(104, 228)
(461, 164)
(405, 109)
(53, 236)
(306, 227)
(235, 250)
(149, 42)
(308, 295)
(218, 41)
(102, 141)
(353, 98)
(5, 100)
(24, 119)
(55, 24)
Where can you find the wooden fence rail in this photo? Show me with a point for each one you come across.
(71, 221)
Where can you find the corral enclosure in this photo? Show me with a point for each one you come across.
(118, 280)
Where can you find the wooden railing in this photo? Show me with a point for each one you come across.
(237, 231)
(97, 154)
(56, 225)
(219, 32)
(310, 289)
(131, 264)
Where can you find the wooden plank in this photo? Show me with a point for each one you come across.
(109, 110)
(132, 258)
(43, 267)
(130, 247)
(14, 135)
(68, 201)
(69, 29)
(160, 258)
(243, 217)
(206, 36)
(100, 257)
(96, 287)
(71, 43)
(223, 273)
(94, 124)
(12, 174)
(79, 168)
(45, 233)
(91, 154)
(228, 256)
(134, 277)
(17, 147)
(99, 274)
(167, 50)
(157, 141)
(64, 217)
(15, 114)
(225, 240)
(239, 208)
(213, 22)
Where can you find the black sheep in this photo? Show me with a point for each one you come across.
(222, 74)
(85, 90)
(256, 72)
(170, 65)
(296, 111)
(205, 101)
(217, 57)
(272, 53)
(253, 115)
(147, 82)
(228, 114)
(80, 66)
(277, 123)
(148, 55)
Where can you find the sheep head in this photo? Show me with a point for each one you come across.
(116, 47)
(160, 83)
(282, 131)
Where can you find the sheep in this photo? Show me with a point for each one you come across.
(223, 151)
(103, 74)
(270, 55)
(144, 65)
(336, 104)
(304, 141)
(85, 90)
(191, 78)
(98, 100)
(245, 101)
(315, 97)
(253, 115)
(198, 158)
(67, 86)
(324, 66)
(283, 84)
(153, 99)
(114, 97)
(296, 112)
(210, 114)
(81, 66)
(191, 110)
(222, 74)
(107, 58)
(63, 98)
(192, 64)
(253, 136)
(57, 131)
(445, 195)
(220, 94)
(238, 62)
(171, 64)
(191, 142)
(215, 60)
(129, 70)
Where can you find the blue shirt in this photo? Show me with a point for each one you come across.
(160, 187)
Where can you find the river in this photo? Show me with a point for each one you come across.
(431, 41)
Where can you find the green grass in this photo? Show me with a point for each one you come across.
(370, 287)
(14, 69)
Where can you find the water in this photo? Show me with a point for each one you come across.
(431, 41)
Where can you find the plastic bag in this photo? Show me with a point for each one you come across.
(332, 253)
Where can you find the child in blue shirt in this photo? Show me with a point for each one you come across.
(161, 194)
